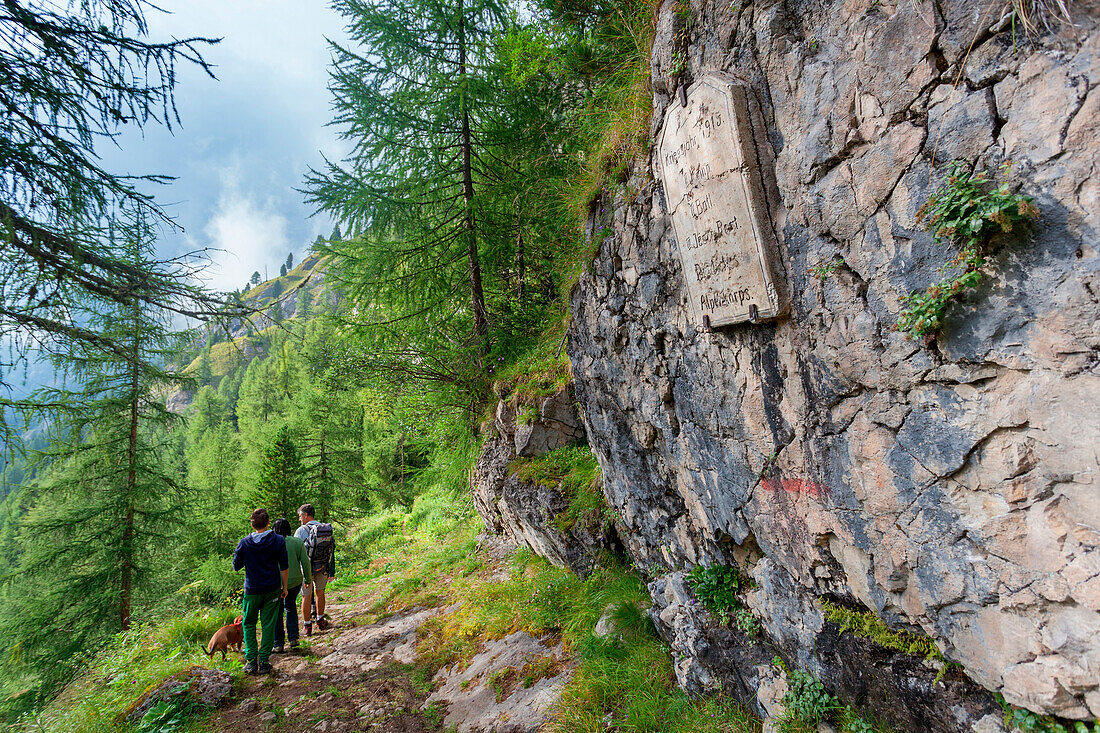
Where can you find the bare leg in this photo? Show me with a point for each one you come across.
(320, 603)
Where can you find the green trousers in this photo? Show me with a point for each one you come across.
(264, 607)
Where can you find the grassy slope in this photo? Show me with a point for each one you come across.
(225, 356)
(137, 661)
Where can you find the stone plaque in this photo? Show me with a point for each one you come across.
(709, 170)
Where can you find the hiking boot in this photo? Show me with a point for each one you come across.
(278, 649)
(294, 644)
(264, 668)
(309, 629)
(251, 667)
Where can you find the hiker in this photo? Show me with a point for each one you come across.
(299, 573)
(262, 554)
(320, 546)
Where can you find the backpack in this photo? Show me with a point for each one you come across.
(320, 545)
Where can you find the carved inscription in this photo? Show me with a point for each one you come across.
(708, 167)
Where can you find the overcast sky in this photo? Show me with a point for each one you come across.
(247, 139)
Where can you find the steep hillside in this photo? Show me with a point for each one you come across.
(219, 350)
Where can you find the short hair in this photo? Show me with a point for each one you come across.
(307, 509)
(260, 519)
(281, 526)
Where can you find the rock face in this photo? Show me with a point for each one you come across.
(525, 511)
(950, 487)
(891, 686)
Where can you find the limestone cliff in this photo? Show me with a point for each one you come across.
(950, 487)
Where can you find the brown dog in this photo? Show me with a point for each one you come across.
(225, 637)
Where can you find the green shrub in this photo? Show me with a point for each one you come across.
(807, 703)
(806, 698)
(169, 716)
(963, 213)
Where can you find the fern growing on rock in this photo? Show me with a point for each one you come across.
(963, 213)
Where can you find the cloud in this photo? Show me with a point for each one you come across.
(246, 236)
(247, 140)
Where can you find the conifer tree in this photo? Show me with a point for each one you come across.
(107, 502)
(279, 487)
(328, 418)
(411, 103)
(73, 75)
(204, 373)
(213, 457)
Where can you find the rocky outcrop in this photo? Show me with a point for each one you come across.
(510, 686)
(204, 687)
(367, 648)
(528, 511)
(710, 657)
(950, 487)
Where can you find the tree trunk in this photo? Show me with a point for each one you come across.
(520, 264)
(322, 462)
(477, 296)
(127, 548)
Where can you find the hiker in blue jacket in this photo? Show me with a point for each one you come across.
(263, 556)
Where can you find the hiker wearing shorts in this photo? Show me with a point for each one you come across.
(263, 556)
(318, 540)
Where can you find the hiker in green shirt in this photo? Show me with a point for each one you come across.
(299, 573)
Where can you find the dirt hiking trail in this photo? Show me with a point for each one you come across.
(355, 676)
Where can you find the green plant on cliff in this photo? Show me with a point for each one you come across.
(717, 588)
(807, 703)
(746, 623)
(823, 269)
(963, 212)
(1026, 721)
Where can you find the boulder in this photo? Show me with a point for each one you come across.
(510, 686)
